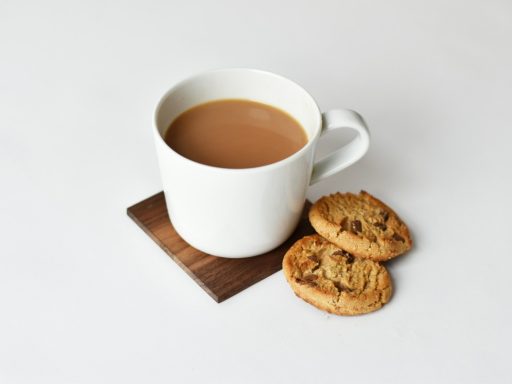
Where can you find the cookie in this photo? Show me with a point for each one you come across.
(360, 224)
(333, 280)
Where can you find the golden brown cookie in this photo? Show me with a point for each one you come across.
(333, 280)
(360, 224)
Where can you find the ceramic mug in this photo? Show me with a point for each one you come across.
(246, 212)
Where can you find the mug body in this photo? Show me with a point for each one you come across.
(236, 212)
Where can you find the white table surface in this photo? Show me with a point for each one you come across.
(87, 297)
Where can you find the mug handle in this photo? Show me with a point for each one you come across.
(350, 152)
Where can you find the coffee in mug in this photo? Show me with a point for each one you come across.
(244, 202)
(235, 133)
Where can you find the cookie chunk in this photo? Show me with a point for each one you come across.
(360, 224)
(333, 280)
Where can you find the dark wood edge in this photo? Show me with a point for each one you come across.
(172, 255)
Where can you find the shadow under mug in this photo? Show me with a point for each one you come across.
(246, 212)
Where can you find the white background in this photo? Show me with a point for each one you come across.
(87, 297)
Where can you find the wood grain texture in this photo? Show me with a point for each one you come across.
(220, 277)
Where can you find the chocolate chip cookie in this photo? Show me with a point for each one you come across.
(333, 280)
(360, 224)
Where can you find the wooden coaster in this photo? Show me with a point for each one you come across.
(220, 277)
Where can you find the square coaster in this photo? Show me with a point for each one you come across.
(220, 277)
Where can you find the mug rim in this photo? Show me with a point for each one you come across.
(260, 168)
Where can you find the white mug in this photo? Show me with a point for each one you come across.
(246, 212)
